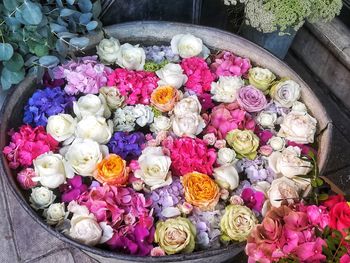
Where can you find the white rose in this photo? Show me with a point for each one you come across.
(131, 57)
(143, 114)
(190, 124)
(124, 119)
(267, 119)
(171, 74)
(91, 105)
(299, 106)
(160, 123)
(288, 163)
(209, 138)
(83, 225)
(298, 127)
(187, 105)
(262, 186)
(95, 128)
(83, 155)
(285, 93)
(283, 189)
(154, 168)
(226, 156)
(107, 50)
(112, 96)
(226, 177)
(225, 90)
(277, 143)
(187, 45)
(61, 127)
(41, 197)
(55, 213)
(51, 170)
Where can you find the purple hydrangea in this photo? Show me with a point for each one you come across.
(256, 170)
(159, 54)
(168, 196)
(45, 103)
(127, 145)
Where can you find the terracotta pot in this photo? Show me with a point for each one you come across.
(147, 33)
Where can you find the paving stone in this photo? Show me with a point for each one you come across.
(81, 257)
(62, 256)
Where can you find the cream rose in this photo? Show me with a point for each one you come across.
(95, 128)
(277, 143)
(171, 75)
(113, 97)
(83, 155)
(267, 119)
(261, 78)
(226, 88)
(288, 163)
(107, 50)
(160, 123)
(189, 124)
(55, 213)
(41, 197)
(298, 127)
(154, 168)
(245, 142)
(187, 45)
(226, 156)
(299, 106)
(61, 127)
(285, 93)
(91, 105)
(51, 170)
(131, 57)
(83, 225)
(282, 189)
(226, 177)
(188, 104)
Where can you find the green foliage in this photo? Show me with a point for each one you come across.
(38, 34)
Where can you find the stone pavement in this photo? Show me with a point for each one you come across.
(23, 240)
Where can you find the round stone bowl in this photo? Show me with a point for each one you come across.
(151, 33)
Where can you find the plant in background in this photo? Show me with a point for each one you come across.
(283, 15)
(37, 35)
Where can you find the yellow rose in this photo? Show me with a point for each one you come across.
(245, 143)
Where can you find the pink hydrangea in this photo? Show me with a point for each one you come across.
(189, 155)
(228, 64)
(84, 75)
(199, 75)
(27, 144)
(127, 212)
(24, 178)
(227, 117)
(137, 86)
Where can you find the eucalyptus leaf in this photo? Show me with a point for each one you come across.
(10, 5)
(70, 2)
(13, 77)
(96, 9)
(29, 62)
(6, 51)
(61, 48)
(61, 22)
(67, 12)
(18, 16)
(41, 50)
(85, 5)
(31, 13)
(49, 61)
(80, 42)
(85, 18)
(57, 28)
(91, 25)
(66, 35)
(59, 3)
(12, 23)
(15, 63)
(5, 83)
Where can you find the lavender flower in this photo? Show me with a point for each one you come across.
(127, 145)
(168, 196)
(256, 170)
(242, 185)
(45, 103)
(159, 54)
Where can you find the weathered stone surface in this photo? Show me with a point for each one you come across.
(81, 257)
(62, 256)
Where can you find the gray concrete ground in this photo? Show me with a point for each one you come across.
(23, 240)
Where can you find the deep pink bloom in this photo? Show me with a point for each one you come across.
(24, 178)
(264, 136)
(305, 149)
(52, 83)
(253, 199)
(206, 102)
(137, 86)
(289, 240)
(198, 73)
(228, 64)
(251, 99)
(27, 144)
(189, 155)
(311, 252)
(318, 216)
(73, 189)
(345, 258)
(296, 221)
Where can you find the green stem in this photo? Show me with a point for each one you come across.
(336, 252)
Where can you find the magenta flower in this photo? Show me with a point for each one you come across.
(251, 99)
(228, 64)
(264, 136)
(253, 199)
(73, 189)
(311, 252)
(318, 216)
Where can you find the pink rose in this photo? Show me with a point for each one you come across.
(266, 150)
(157, 252)
(251, 99)
(24, 178)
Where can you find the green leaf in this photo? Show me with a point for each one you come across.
(49, 61)
(10, 77)
(319, 181)
(15, 63)
(31, 13)
(6, 51)
(10, 5)
(330, 244)
(41, 50)
(57, 28)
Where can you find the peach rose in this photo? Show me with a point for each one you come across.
(201, 190)
(164, 98)
(112, 170)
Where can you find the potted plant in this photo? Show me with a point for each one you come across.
(273, 24)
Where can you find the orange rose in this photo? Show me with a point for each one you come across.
(112, 170)
(201, 190)
(164, 98)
